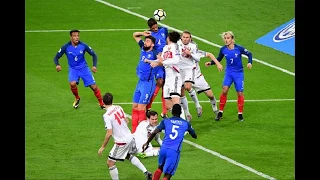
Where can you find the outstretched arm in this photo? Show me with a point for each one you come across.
(211, 56)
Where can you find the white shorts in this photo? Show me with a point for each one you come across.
(172, 87)
(200, 84)
(120, 151)
(188, 75)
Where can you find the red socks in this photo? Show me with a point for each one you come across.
(137, 116)
(157, 174)
(153, 97)
(97, 93)
(135, 120)
(223, 100)
(75, 92)
(240, 104)
(164, 108)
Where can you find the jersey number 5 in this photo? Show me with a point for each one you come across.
(174, 132)
(119, 115)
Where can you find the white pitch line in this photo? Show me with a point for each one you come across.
(223, 157)
(193, 36)
(88, 30)
(229, 160)
(259, 100)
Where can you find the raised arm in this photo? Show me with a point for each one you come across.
(137, 35)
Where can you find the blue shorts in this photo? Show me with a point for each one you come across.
(84, 73)
(234, 77)
(160, 72)
(144, 91)
(169, 159)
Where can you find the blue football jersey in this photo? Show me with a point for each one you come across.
(174, 128)
(161, 38)
(144, 70)
(234, 57)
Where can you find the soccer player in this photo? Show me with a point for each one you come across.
(116, 125)
(142, 133)
(187, 65)
(146, 83)
(201, 85)
(169, 155)
(233, 73)
(161, 34)
(170, 58)
(78, 68)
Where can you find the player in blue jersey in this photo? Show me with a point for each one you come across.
(78, 68)
(169, 155)
(161, 34)
(146, 84)
(234, 72)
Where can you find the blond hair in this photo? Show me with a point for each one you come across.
(227, 32)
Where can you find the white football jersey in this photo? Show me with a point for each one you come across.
(171, 59)
(143, 131)
(114, 118)
(187, 61)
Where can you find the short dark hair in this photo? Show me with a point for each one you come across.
(151, 22)
(107, 98)
(74, 30)
(174, 36)
(152, 38)
(176, 110)
(151, 113)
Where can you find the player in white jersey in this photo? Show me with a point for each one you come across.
(188, 60)
(143, 132)
(116, 124)
(201, 85)
(170, 59)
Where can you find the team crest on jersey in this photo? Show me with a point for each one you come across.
(236, 54)
(81, 52)
(162, 34)
(149, 55)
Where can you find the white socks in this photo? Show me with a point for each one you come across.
(214, 104)
(135, 161)
(184, 104)
(114, 172)
(194, 97)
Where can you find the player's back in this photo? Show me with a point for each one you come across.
(171, 53)
(175, 128)
(114, 118)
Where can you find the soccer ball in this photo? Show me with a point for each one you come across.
(159, 15)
